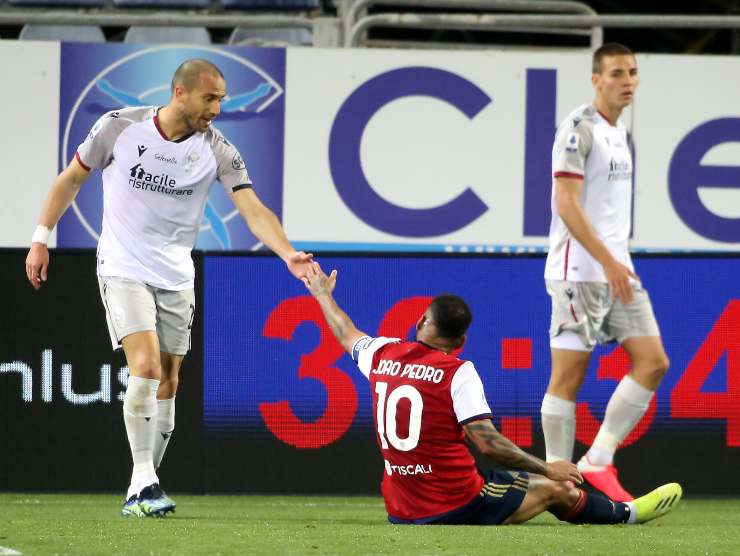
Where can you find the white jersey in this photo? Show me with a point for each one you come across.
(588, 147)
(154, 192)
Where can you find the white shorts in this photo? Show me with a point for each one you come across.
(584, 314)
(132, 306)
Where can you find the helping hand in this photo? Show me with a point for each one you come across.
(317, 282)
(298, 263)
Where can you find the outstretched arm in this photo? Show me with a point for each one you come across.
(266, 226)
(321, 287)
(63, 192)
(499, 449)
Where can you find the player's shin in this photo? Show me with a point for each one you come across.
(558, 426)
(165, 428)
(140, 418)
(628, 404)
(592, 508)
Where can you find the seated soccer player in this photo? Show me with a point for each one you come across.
(427, 403)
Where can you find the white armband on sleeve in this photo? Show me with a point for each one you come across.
(364, 349)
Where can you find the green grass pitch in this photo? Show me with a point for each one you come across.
(80, 524)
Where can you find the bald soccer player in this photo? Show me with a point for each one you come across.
(158, 166)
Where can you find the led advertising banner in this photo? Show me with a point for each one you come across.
(276, 382)
(62, 387)
(268, 402)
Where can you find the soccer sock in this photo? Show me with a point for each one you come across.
(628, 404)
(140, 417)
(594, 508)
(165, 428)
(559, 427)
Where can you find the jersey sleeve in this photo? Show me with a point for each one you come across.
(468, 396)
(365, 348)
(572, 146)
(231, 170)
(96, 151)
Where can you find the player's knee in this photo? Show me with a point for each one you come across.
(662, 365)
(168, 387)
(145, 365)
(655, 369)
(564, 385)
(561, 492)
(140, 399)
(562, 497)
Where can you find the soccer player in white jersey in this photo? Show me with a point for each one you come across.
(158, 166)
(596, 295)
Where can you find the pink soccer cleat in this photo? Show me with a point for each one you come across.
(604, 478)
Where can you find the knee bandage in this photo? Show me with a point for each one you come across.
(141, 397)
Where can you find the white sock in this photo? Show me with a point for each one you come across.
(165, 428)
(140, 417)
(559, 427)
(628, 404)
(633, 512)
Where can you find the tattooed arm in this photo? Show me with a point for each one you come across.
(499, 449)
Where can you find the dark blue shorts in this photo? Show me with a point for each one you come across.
(501, 495)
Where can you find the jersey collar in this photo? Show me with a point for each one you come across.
(164, 135)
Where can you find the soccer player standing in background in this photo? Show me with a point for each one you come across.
(158, 167)
(427, 402)
(596, 295)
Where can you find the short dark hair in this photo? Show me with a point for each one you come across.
(187, 74)
(451, 315)
(607, 50)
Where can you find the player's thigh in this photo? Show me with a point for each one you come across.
(501, 495)
(542, 494)
(142, 354)
(175, 315)
(130, 307)
(568, 371)
(635, 319)
(578, 310)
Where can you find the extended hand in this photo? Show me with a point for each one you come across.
(299, 263)
(37, 264)
(618, 276)
(317, 282)
(563, 470)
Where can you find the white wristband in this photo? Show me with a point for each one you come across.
(41, 235)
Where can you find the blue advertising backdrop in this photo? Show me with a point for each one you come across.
(112, 76)
(271, 367)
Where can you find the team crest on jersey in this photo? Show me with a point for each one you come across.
(191, 162)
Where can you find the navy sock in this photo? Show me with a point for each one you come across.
(594, 508)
